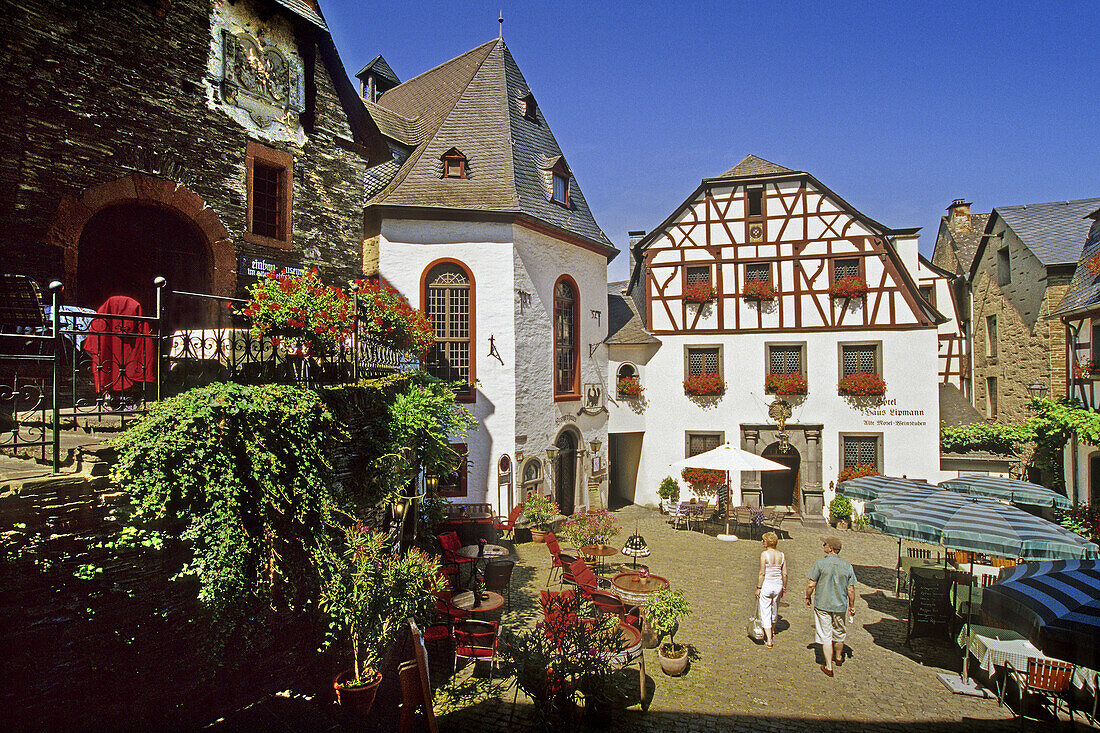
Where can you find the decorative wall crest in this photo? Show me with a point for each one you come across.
(258, 78)
(593, 399)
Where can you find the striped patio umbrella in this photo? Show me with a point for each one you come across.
(1008, 489)
(1055, 604)
(867, 488)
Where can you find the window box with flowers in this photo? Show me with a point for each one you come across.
(703, 478)
(630, 388)
(862, 384)
(699, 292)
(857, 471)
(849, 286)
(1084, 369)
(759, 290)
(785, 384)
(704, 385)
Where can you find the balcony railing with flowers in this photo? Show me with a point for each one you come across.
(862, 384)
(785, 384)
(759, 290)
(704, 385)
(699, 292)
(856, 471)
(630, 388)
(849, 286)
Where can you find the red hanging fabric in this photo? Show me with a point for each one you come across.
(123, 351)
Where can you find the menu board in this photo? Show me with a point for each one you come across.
(930, 609)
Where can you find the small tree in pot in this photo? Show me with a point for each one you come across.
(840, 510)
(663, 611)
(669, 491)
(538, 510)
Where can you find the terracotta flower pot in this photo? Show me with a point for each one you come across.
(356, 700)
(673, 666)
(538, 535)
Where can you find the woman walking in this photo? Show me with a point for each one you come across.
(771, 584)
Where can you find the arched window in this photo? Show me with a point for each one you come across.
(449, 306)
(626, 381)
(566, 308)
(532, 477)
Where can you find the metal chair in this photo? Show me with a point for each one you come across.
(558, 559)
(508, 526)
(611, 604)
(742, 515)
(1049, 678)
(476, 640)
(498, 577)
(579, 574)
(679, 515)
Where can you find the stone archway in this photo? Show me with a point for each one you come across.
(74, 213)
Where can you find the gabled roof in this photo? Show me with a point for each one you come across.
(754, 166)
(305, 9)
(1053, 232)
(379, 67)
(625, 324)
(956, 410)
(474, 102)
(966, 241)
(1084, 288)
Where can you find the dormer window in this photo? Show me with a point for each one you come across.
(454, 164)
(560, 193)
(530, 107)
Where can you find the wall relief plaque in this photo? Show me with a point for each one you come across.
(258, 78)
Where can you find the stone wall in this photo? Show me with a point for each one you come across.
(1029, 347)
(94, 91)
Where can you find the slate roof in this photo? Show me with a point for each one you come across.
(956, 410)
(306, 9)
(625, 324)
(474, 103)
(1084, 288)
(754, 166)
(1055, 231)
(379, 66)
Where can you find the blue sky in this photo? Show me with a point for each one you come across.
(898, 107)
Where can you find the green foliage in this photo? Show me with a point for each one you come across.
(590, 526)
(669, 488)
(840, 508)
(299, 307)
(985, 437)
(538, 510)
(664, 609)
(1082, 519)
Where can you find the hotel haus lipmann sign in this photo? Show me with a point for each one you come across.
(889, 414)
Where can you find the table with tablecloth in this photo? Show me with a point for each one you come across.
(996, 648)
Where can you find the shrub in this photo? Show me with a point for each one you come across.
(840, 508)
(699, 292)
(669, 488)
(862, 469)
(539, 509)
(703, 476)
(702, 385)
(849, 286)
(630, 387)
(759, 290)
(862, 384)
(791, 383)
(1083, 519)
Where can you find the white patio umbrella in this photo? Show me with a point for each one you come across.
(733, 461)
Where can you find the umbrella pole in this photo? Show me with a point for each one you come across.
(897, 573)
(969, 611)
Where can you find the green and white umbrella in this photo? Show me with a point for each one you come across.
(1008, 489)
(868, 488)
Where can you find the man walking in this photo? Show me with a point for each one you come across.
(831, 579)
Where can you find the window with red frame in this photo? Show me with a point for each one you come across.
(565, 339)
(449, 308)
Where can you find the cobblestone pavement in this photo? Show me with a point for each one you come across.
(735, 684)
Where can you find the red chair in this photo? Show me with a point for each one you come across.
(445, 611)
(476, 640)
(558, 559)
(579, 574)
(610, 604)
(450, 544)
(508, 526)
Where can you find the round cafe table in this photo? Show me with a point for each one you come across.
(489, 610)
(635, 587)
(599, 551)
(470, 551)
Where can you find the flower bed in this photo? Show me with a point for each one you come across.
(849, 286)
(703, 476)
(630, 388)
(861, 469)
(759, 290)
(862, 384)
(785, 384)
(702, 385)
(699, 292)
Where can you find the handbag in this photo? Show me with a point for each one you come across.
(754, 628)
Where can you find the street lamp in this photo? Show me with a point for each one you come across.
(595, 445)
(1037, 390)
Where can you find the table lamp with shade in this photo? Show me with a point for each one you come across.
(635, 547)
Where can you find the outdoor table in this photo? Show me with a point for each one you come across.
(996, 648)
(471, 551)
(634, 588)
(599, 551)
(489, 610)
(965, 596)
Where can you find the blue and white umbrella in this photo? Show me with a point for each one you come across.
(1008, 489)
(1055, 604)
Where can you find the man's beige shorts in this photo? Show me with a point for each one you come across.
(830, 627)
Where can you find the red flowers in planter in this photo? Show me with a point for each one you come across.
(785, 384)
(759, 290)
(849, 286)
(861, 469)
(702, 385)
(629, 387)
(705, 476)
(699, 292)
(1083, 369)
(862, 384)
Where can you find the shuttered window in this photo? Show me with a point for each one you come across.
(565, 339)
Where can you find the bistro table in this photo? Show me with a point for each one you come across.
(599, 551)
(471, 551)
(996, 648)
(635, 589)
(488, 610)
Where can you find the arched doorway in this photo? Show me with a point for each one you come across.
(778, 488)
(565, 472)
(123, 247)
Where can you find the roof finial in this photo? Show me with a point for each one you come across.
(500, 19)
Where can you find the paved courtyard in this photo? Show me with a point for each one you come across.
(735, 684)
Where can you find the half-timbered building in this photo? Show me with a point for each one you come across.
(936, 286)
(779, 310)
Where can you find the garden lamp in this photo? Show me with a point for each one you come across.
(635, 547)
(1037, 390)
(551, 452)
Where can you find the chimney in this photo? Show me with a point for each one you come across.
(635, 237)
(958, 215)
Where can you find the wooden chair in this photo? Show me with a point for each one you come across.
(922, 553)
(1049, 678)
(1002, 562)
(961, 557)
(985, 580)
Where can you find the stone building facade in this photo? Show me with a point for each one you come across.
(134, 131)
(1020, 273)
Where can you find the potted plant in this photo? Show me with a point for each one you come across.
(785, 385)
(367, 595)
(704, 385)
(840, 512)
(862, 384)
(308, 317)
(857, 471)
(630, 388)
(848, 287)
(668, 491)
(759, 290)
(699, 293)
(860, 522)
(538, 510)
(663, 612)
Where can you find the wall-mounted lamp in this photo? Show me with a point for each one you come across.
(551, 452)
(1037, 390)
(432, 481)
(595, 444)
